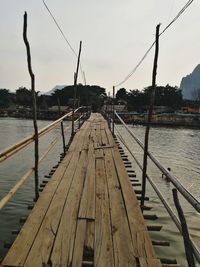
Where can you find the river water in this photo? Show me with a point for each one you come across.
(177, 148)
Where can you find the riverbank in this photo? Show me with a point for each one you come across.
(28, 114)
(164, 119)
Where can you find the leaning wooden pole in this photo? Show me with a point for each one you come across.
(152, 100)
(34, 104)
(113, 111)
(185, 233)
(61, 126)
(75, 87)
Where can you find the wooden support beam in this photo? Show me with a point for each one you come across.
(156, 228)
(160, 243)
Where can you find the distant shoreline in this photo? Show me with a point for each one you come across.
(165, 120)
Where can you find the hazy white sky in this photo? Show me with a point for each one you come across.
(115, 35)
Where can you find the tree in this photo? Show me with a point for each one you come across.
(24, 97)
(121, 94)
(166, 96)
(4, 98)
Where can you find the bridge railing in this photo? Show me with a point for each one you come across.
(7, 153)
(178, 185)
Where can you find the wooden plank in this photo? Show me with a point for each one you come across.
(77, 257)
(144, 246)
(105, 141)
(123, 248)
(62, 251)
(87, 205)
(135, 217)
(103, 254)
(89, 239)
(18, 253)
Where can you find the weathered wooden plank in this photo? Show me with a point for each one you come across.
(89, 240)
(105, 141)
(77, 257)
(123, 247)
(87, 205)
(144, 245)
(103, 254)
(62, 251)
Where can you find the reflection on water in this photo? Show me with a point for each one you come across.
(179, 149)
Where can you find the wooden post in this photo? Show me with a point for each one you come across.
(34, 104)
(113, 114)
(75, 87)
(109, 110)
(152, 100)
(79, 113)
(61, 125)
(186, 237)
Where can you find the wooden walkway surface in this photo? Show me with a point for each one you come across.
(88, 214)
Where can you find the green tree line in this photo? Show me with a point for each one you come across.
(168, 96)
(92, 95)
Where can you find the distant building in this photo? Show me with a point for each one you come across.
(189, 110)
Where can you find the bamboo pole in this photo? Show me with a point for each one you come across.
(75, 87)
(8, 152)
(152, 100)
(61, 125)
(34, 105)
(113, 111)
(185, 233)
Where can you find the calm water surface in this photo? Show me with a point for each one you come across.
(177, 148)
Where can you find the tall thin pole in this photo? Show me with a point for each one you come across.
(34, 104)
(61, 125)
(75, 87)
(185, 233)
(152, 100)
(113, 111)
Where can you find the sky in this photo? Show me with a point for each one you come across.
(115, 36)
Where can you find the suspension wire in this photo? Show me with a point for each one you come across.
(148, 51)
(65, 38)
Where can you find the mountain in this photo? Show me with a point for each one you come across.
(190, 85)
(57, 87)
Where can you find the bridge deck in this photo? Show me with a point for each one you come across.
(88, 214)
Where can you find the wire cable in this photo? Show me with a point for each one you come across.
(65, 38)
(148, 51)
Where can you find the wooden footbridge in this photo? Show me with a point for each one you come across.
(88, 213)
